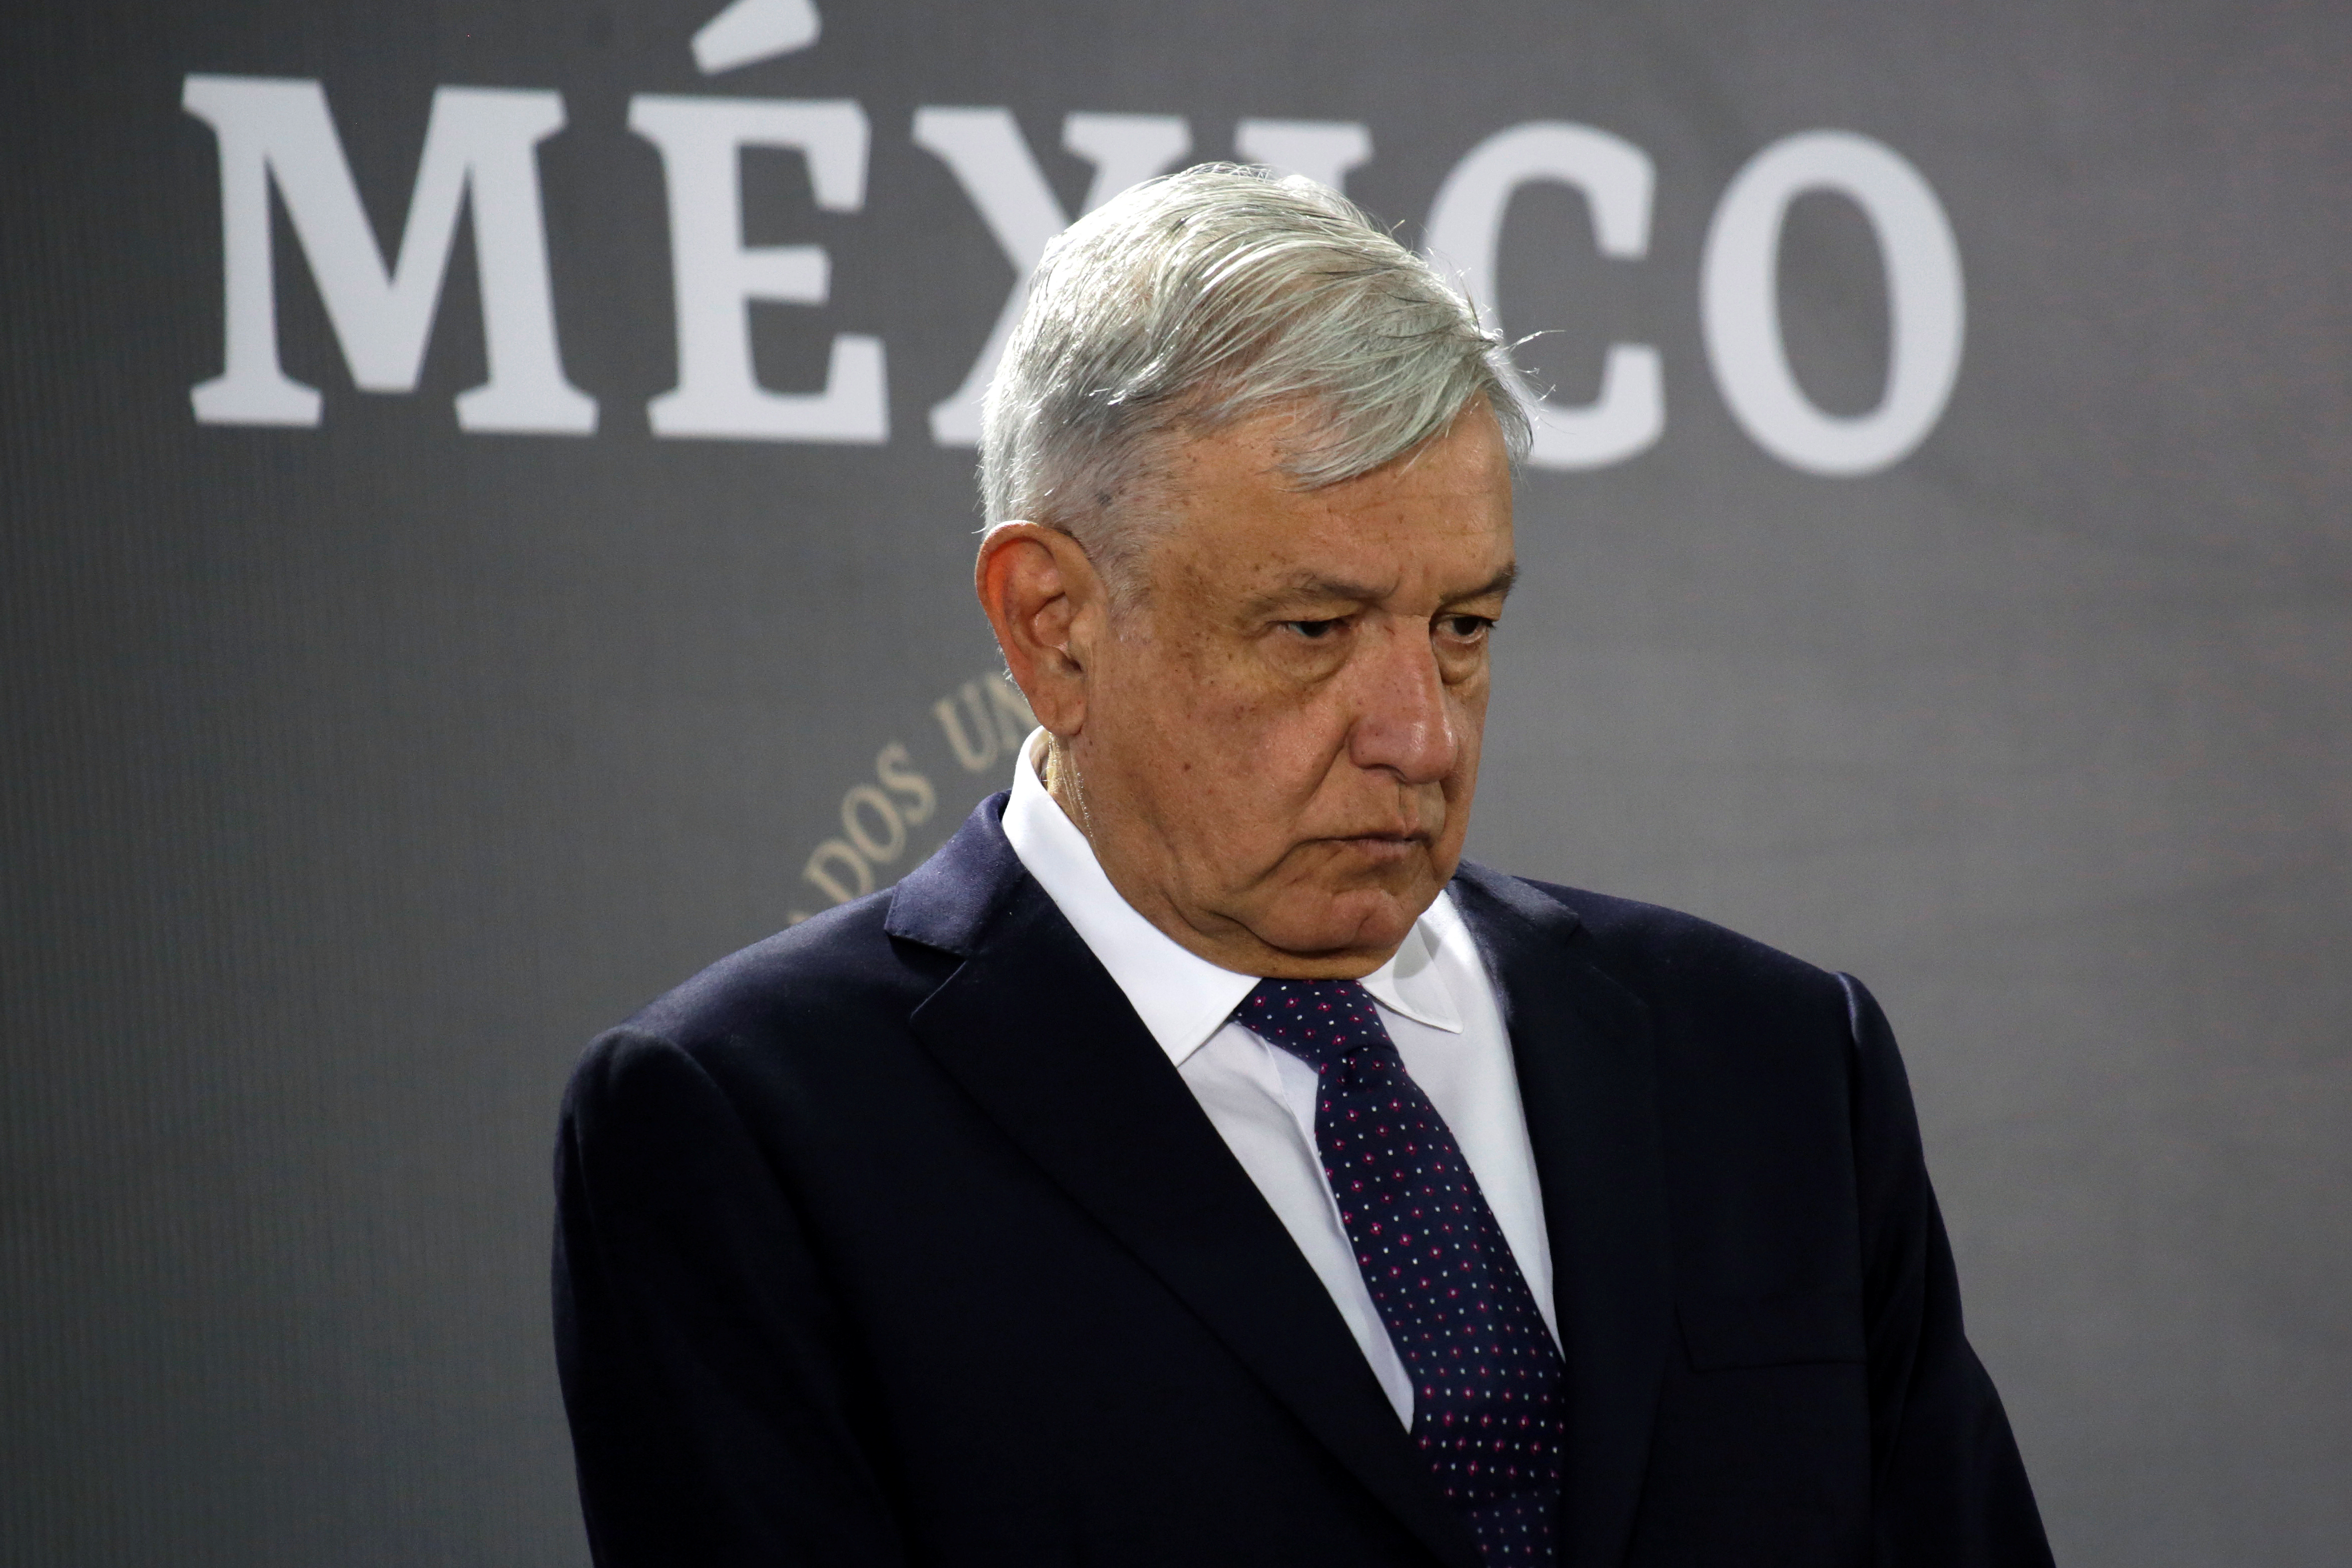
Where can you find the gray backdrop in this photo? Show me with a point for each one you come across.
(356, 773)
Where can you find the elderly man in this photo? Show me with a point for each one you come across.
(1196, 1162)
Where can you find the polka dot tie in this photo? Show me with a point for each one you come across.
(1485, 1374)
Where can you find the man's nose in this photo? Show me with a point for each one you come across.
(1404, 721)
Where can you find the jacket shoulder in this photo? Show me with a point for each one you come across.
(1663, 954)
(838, 976)
(1754, 1049)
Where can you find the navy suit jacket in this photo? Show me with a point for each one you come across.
(896, 1240)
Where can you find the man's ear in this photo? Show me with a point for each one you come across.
(1047, 607)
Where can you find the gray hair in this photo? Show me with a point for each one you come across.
(1196, 300)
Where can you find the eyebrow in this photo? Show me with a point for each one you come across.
(1500, 583)
(1316, 585)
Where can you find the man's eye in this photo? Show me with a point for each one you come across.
(1468, 628)
(1313, 631)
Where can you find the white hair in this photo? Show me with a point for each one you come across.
(1196, 300)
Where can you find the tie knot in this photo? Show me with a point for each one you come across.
(1318, 1022)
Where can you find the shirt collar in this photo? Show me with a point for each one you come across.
(1182, 998)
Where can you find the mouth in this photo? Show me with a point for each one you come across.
(1383, 848)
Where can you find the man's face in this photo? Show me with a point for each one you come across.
(1280, 740)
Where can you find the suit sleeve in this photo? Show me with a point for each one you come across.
(713, 1401)
(1948, 1487)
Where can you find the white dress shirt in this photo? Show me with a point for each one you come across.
(1436, 999)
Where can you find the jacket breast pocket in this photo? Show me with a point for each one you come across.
(1780, 1329)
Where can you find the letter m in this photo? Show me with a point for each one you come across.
(481, 142)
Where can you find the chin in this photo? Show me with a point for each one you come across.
(1357, 921)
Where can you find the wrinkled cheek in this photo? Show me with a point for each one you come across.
(1461, 787)
(1470, 734)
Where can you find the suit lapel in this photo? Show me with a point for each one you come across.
(1582, 1043)
(1039, 1035)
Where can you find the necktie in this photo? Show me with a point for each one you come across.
(1485, 1374)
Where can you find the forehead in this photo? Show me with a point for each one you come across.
(1439, 513)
